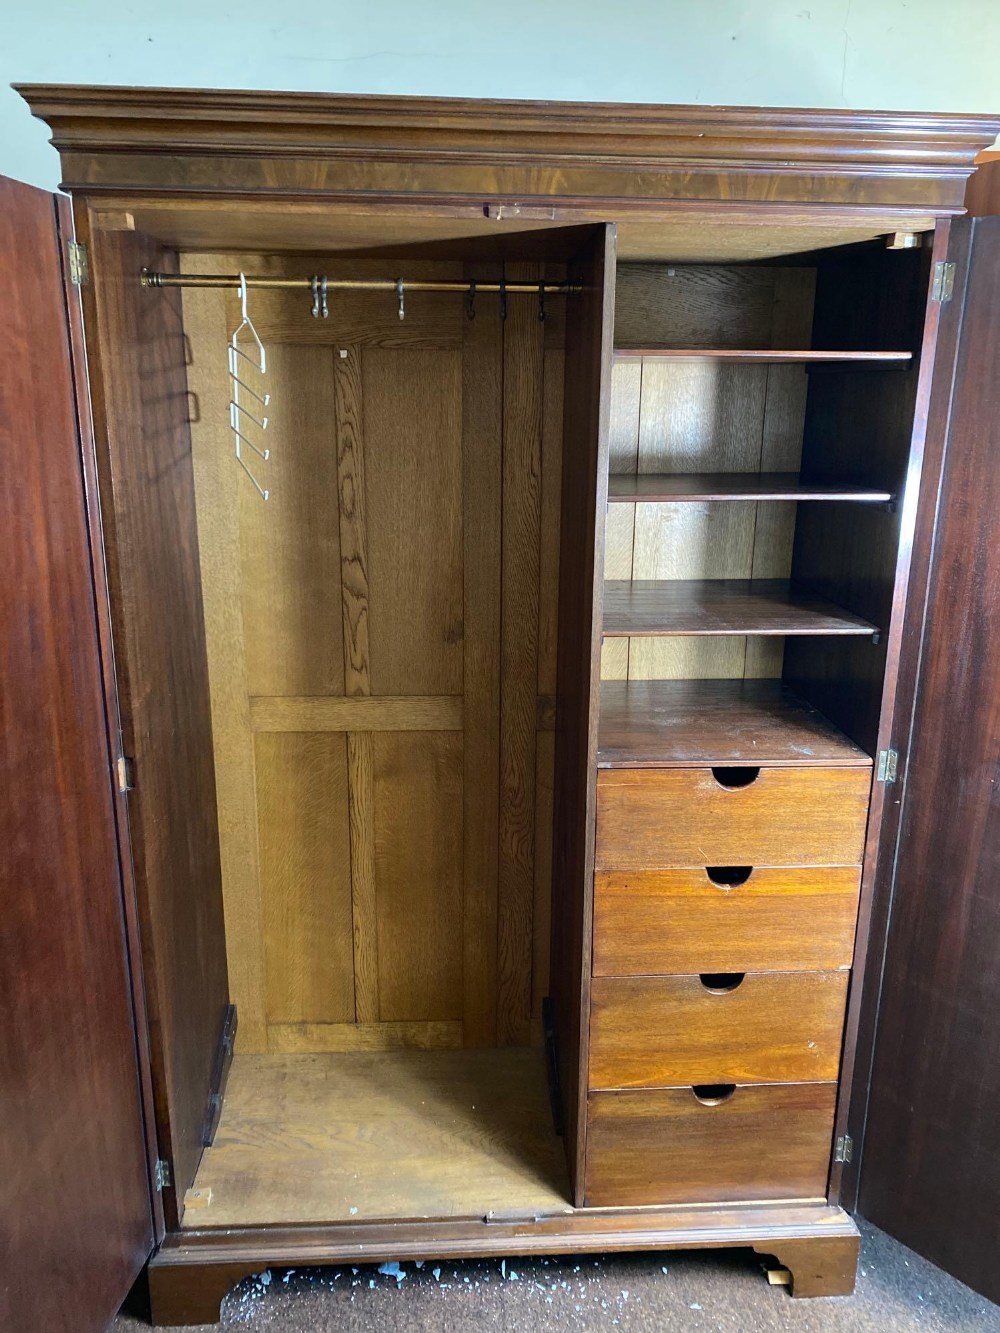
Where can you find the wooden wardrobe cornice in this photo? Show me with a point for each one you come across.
(222, 142)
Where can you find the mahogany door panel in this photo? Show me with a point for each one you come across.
(75, 1220)
(930, 1171)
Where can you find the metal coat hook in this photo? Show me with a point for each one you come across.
(239, 415)
(541, 302)
(503, 298)
(470, 300)
(320, 306)
(400, 297)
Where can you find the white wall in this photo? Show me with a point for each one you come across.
(895, 54)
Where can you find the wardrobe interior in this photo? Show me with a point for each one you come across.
(358, 676)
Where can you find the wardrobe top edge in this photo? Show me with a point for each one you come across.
(68, 101)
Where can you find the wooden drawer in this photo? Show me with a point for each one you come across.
(768, 1141)
(725, 919)
(762, 1027)
(653, 819)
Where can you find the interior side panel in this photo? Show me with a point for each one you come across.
(858, 429)
(138, 353)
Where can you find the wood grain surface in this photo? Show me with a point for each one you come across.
(722, 606)
(933, 1141)
(746, 918)
(730, 1027)
(680, 723)
(666, 818)
(362, 606)
(72, 1153)
(769, 1141)
(387, 1134)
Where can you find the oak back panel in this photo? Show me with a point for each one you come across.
(381, 645)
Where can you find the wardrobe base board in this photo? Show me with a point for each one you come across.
(377, 1135)
(815, 1241)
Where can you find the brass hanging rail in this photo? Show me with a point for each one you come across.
(149, 278)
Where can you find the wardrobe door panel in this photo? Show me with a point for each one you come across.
(138, 351)
(930, 1173)
(75, 1221)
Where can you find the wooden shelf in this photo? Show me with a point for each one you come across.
(657, 488)
(720, 606)
(677, 723)
(759, 356)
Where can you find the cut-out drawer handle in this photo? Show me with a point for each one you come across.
(713, 1094)
(728, 877)
(734, 778)
(721, 983)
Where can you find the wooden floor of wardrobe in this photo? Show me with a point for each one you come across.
(381, 1134)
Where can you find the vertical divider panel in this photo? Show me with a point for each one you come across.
(586, 415)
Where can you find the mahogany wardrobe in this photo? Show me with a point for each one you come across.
(501, 606)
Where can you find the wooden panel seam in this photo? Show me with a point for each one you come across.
(407, 712)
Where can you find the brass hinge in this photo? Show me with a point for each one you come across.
(161, 1175)
(888, 763)
(125, 772)
(79, 264)
(844, 1150)
(944, 281)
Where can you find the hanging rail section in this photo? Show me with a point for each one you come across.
(320, 286)
(148, 278)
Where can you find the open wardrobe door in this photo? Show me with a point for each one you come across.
(76, 1224)
(930, 1170)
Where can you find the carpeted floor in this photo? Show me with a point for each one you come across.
(647, 1293)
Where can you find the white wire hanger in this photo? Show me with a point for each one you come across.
(242, 418)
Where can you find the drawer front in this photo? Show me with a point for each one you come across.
(761, 1027)
(762, 1142)
(725, 919)
(653, 819)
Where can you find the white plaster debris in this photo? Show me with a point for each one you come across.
(392, 1269)
(436, 1273)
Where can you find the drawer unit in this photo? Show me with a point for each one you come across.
(709, 1145)
(762, 1027)
(649, 819)
(724, 919)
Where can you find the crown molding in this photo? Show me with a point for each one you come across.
(218, 141)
